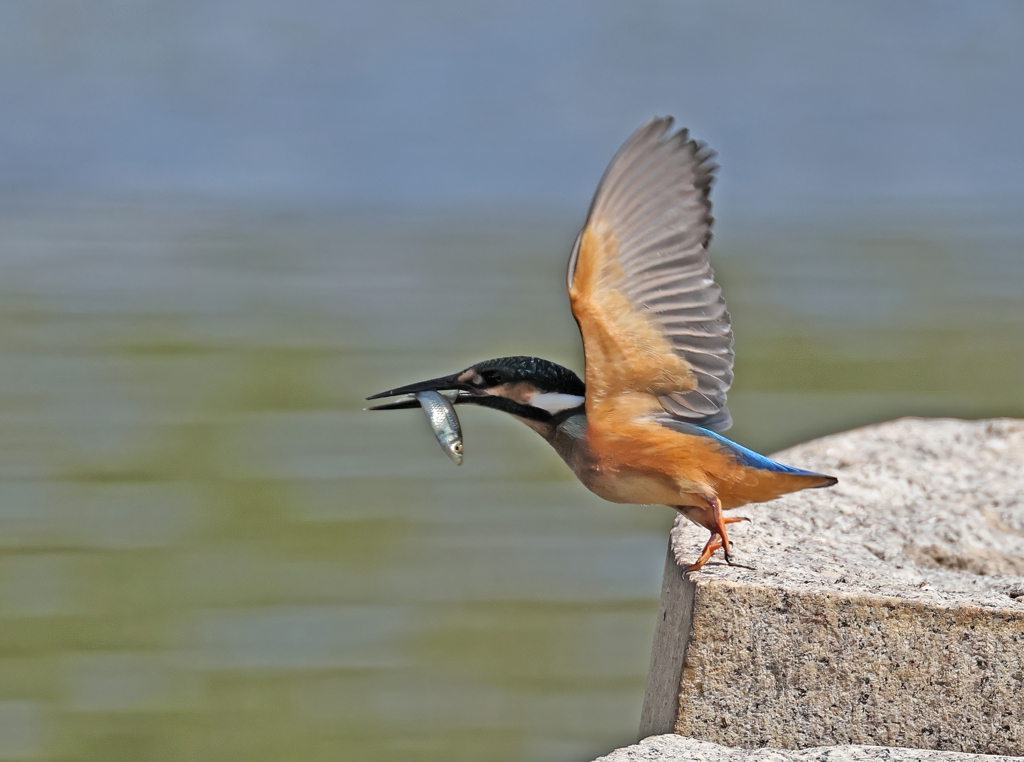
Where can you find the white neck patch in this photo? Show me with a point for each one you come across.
(555, 403)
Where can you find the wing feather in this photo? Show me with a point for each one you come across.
(652, 317)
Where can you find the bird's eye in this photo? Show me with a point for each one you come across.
(493, 377)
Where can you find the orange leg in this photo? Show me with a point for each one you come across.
(714, 543)
(718, 522)
(714, 523)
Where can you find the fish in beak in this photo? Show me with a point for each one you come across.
(444, 422)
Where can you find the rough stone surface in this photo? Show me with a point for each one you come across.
(887, 610)
(673, 748)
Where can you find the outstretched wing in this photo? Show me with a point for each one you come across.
(652, 317)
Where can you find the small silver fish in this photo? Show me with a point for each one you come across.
(444, 422)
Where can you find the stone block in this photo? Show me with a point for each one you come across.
(887, 610)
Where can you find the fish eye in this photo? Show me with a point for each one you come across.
(457, 447)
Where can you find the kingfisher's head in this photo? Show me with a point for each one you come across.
(537, 391)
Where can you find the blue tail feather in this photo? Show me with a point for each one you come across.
(743, 456)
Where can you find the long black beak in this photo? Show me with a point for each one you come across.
(441, 384)
(412, 402)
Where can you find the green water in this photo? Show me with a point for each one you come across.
(208, 551)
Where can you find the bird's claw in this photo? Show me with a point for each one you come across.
(713, 544)
(718, 539)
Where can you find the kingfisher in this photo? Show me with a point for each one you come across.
(658, 351)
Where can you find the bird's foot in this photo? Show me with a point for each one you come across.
(713, 544)
(712, 519)
(718, 522)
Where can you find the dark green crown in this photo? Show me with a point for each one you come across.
(545, 375)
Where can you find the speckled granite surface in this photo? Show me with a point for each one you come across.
(888, 610)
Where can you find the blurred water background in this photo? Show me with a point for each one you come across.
(223, 224)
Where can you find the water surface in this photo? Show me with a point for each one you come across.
(208, 551)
